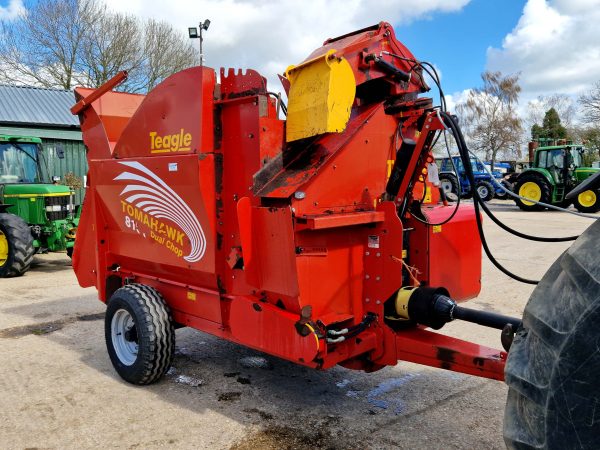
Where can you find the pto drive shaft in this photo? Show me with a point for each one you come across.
(433, 307)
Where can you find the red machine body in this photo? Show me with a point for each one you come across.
(193, 190)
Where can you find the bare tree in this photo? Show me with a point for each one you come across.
(62, 43)
(42, 46)
(561, 103)
(489, 118)
(590, 104)
(165, 52)
(112, 44)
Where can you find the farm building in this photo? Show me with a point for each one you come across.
(45, 113)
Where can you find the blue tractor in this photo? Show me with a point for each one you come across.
(487, 186)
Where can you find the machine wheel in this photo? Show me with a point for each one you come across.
(139, 333)
(554, 362)
(449, 183)
(16, 246)
(70, 252)
(485, 190)
(588, 202)
(532, 186)
(502, 195)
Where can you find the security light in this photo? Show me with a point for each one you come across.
(193, 32)
(206, 24)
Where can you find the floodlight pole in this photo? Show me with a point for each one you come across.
(201, 54)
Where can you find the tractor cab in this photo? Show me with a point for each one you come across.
(563, 163)
(19, 160)
(28, 192)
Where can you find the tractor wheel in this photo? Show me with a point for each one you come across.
(139, 333)
(16, 246)
(449, 183)
(485, 190)
(554, 362)
(533, 186)
(588, 202)
(500, 194)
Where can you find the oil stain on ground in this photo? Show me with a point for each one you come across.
(286, 438)
(39, 329)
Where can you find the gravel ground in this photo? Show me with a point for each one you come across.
(59, 390)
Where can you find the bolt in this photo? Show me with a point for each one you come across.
(367, 277)
(367, 300)
(377, 278)
(367, 253)
(378, 254)
(378, 302)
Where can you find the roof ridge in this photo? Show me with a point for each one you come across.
(2, 85)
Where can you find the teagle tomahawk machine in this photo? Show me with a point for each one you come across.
(322, 239)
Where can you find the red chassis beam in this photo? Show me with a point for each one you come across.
(437, 350)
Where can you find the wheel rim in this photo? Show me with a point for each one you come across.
(446, 185)
(3, 248)
(483, 191)
(124, 337)
(530, 190)
(585, 199)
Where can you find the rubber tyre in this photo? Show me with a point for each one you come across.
(154, 330)
(20, 246)
(485, 189)
(501, 195)
(70, 252)
(449, 180)
(546, 193)
(595, 207)
(554, 362)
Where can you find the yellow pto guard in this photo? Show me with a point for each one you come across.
(321, 96)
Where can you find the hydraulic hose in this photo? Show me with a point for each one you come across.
(464, 154)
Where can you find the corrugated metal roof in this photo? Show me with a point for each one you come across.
(37, 106)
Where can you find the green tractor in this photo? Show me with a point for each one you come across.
(556, 171)
(36, 215)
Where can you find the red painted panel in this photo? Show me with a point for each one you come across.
(158, 213)
(265, 327)
(448, 255)
(174, 118)
(268, 248)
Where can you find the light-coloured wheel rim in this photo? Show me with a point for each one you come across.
(532, 191)
(483, 191)
(124, 337)
(3, 249)
(446, 185)
(585, 199)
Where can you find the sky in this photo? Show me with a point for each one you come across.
(553, 44)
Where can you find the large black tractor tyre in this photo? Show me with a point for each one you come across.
(16, 246)
(553, 366)
(139, 333)
(532, 185)
(449, 183)
(588, 202)
(485, 190)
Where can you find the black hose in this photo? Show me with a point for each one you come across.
(464, 153)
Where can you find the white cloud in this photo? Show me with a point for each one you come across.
(456, 98)
(14, 9)
(555, 46)
(269, 35)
